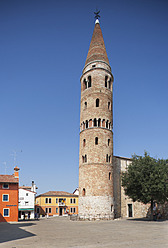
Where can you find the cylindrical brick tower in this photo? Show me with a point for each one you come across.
(96, 135)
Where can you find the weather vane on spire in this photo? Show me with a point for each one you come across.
(97, 16)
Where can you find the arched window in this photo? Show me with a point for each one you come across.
(84, 84)
(85, 105)
(108, 142)
(84, 142)
(97, 102)
(89, 82)
(85, 158)
(103, 123)
(109, 84)
(106, 124)
(96, 141)
(86, 124)
(95, 122)
(90, 123)
(108, 105)
(107, 158)
(83, 192)
(83, 125)
(106, 78)
(109, 175)
(99, 122)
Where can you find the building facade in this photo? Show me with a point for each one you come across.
(57, 203)
(123, 205)
(96, 135)
(9, 190)
(27, 201)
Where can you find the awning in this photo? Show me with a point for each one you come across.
(26, 209)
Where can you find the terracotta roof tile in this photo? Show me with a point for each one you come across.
(8, 179)
(57, 193)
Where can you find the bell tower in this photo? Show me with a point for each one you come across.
(96, 133)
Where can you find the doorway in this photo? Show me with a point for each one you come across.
(60, 211)
(130, 210)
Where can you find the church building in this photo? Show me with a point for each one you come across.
(100, 193)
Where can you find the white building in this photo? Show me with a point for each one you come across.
(27, 201)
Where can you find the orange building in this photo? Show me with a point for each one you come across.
(9, 190)
(57, 203)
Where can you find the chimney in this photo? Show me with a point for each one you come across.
(33, 188)
(16, 172)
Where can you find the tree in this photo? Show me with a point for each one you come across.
(146, 180)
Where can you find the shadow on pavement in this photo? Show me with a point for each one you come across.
(14, 231)
(145, 219)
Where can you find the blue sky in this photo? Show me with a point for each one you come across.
(43, 48)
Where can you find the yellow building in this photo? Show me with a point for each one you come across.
(57, 203)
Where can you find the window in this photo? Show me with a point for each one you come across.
(106, 157)
(109, 175)
(56, 200)
(109, 159)
(97, 102)
(64, 210)
(49, 200)
(72, 200)
(84, 142)
(106, 78)
(5, 198)
(108, 105)
(89, 82)
(106, 124)
(85, 105)
(109, 84)
(27, 194)
(46, 200)
(38, 210)
(49, 210)
(90, 123)
(99, 122)
(86, 124)
(46, 210)
(96, 141)
(83, 192)
(5, 186)
(73, 210)
(85, 158)
(95, 122)
(56, 210)
(84, 84)
(6, 212)
(108, 142)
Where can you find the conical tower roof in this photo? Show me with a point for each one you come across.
(97, 50)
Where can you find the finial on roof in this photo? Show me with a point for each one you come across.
(97, 16)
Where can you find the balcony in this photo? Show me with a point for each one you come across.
(61, 204)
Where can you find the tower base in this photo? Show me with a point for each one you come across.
(96, 208)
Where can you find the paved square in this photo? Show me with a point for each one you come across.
(61, 232)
